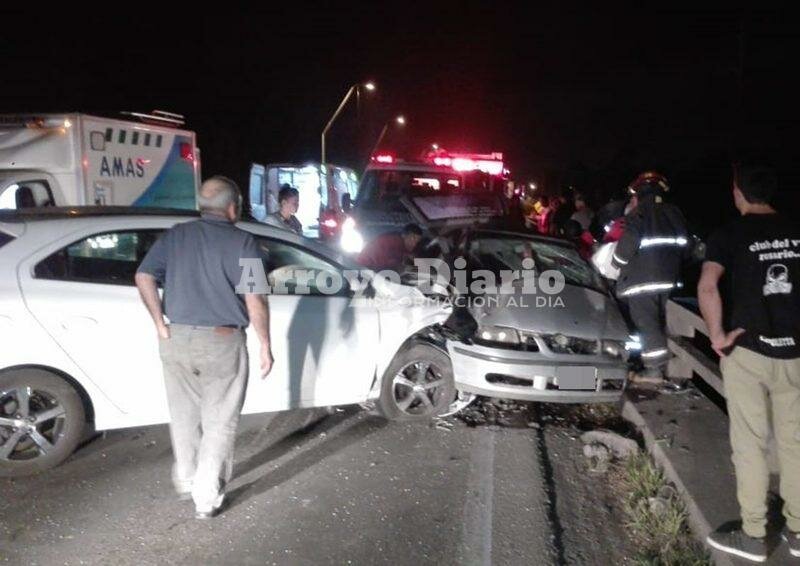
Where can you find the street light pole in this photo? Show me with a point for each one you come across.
(333, 119)
(323, 157)
(350, 91)
(380, 139)
(400, 121)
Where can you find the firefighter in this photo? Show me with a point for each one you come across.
(649, 256)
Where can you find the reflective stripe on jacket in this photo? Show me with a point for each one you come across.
(651, 249)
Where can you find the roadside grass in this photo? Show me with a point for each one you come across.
(657, 517)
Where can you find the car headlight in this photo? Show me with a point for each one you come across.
(614, 348)
(497, 335)
(351, 242)
(634, 343)
(562, 344)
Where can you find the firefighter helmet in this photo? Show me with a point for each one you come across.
(649, 182)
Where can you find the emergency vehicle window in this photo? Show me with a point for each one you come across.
(27, 194)
(294, 267)
(385, 185)
(97, 140)
(109, 258)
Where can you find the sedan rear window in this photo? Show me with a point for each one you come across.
(110, 258)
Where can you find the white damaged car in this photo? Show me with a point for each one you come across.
(557, 337)
(78, 346)
(532, 339)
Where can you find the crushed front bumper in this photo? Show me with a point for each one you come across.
(536, 376)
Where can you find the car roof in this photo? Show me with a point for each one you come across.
(15, 223)
(59, 212)
(411, 166)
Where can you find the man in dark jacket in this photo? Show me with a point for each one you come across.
(649, 257)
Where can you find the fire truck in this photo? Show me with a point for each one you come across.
(390, 187)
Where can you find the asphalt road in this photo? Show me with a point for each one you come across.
(347, 489)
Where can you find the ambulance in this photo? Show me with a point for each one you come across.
(76, 159)
(320, 196)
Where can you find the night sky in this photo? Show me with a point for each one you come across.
(579, 97)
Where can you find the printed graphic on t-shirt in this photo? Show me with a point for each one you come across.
(761, 257)
(778, 342)
(777, 280)
(778, 249)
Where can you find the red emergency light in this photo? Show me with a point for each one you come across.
(187, 151)
(383, 158)
(491, 164)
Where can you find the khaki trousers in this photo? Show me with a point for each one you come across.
(205, 373)
(756, 387)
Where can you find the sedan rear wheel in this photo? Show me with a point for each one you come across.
(41, 421)
(417, 385)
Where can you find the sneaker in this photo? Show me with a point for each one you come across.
(210, 513)
(736, 542)
(794, 542)
(205, 515)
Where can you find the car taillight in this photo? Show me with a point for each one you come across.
(329, 225)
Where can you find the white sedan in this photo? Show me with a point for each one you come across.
(78, 346)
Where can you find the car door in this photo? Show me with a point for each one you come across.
(81, 289)
(323, 341)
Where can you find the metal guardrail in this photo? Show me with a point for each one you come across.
(682, 324)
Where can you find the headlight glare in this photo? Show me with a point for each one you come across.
(351, 242)
(497, 334)
(614, 348)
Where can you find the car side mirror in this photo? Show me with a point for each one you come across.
(347, 202)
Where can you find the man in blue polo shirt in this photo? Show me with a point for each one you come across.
(203, 348)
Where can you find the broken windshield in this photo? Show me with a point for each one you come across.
(501, 252)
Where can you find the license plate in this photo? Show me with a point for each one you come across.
(577, 377)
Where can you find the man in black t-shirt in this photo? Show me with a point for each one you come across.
(759, 257)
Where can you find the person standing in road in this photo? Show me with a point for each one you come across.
(203, 348)
(562, 210)
(649, 256)
(758, 256)
(288, 205)
(583, 214)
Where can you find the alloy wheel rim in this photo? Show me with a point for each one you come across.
(31, 423)
(417, 388)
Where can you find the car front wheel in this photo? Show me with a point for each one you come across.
(41, 421)
(417, 385)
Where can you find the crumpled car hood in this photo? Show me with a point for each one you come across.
(580, 312)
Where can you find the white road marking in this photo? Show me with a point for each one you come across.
(477, 527)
